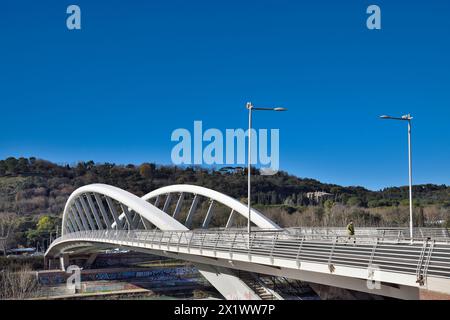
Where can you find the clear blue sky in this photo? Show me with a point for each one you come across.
(137, 70)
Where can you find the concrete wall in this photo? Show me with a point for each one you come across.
(55, 277)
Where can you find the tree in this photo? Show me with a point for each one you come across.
(11, 164)
(45, 224)
(328, 205)
(354, 202)
(8, 224)
(273, 197)
(404, 202)
(146, 170)
(419, 217)
(23, 165)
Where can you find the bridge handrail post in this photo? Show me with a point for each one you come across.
(274, 241)
(179, 240)
(330, 258)
(128, 238)
(153, 238)
(170, 239)
(161, 239)
(201, 243)
(190, 241)
(372, 254)
(299, 250)
(218, 234)
(187, 238)
(250, 244)
(232, 245)
(145, 233)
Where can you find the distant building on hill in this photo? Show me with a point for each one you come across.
(317, 196)
(232, 170)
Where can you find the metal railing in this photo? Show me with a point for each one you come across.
(441, 234)
(422, 258)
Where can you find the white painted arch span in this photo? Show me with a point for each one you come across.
(259, 219)
(90, 208)
(149, 212)
(153, 214)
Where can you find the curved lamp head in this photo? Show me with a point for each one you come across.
(407, 117)
(404, 117)
(250, 106)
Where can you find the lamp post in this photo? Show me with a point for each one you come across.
(250, 108)
(408, 118)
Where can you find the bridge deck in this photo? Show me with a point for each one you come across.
(420, 259)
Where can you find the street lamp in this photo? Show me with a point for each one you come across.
(250, 108)
(408, 118)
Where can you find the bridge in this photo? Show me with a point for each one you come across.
(383, 261)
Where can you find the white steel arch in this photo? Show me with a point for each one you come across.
(85, 211)
(257, 217)
(143, 208)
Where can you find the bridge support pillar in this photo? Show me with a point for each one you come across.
(64, 261)
(90, 260)
(230, 286)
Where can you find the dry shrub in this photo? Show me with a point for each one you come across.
(18, 285)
